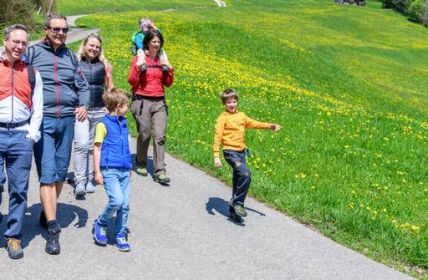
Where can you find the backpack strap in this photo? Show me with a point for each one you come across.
(32, 77)
(30, 55)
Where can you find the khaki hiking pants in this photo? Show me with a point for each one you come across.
(151, 116)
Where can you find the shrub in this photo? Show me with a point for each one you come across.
(415, 10)
(17, 11)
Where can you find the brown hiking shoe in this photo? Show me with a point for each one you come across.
(14, 248)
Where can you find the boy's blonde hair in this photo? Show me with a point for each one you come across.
(114, 98)
(228, 94)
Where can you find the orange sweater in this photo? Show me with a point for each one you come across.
(230, 131)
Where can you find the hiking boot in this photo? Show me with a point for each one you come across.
(90, 188)
(141, 170)
(42, 220)
(122, 242)
(79, 190)
(99, 233)
(161, 177)
(240, 210)
(14, 248)
(52, 243)
(235, 218)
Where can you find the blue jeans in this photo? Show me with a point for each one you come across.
(53, 151)
(116, 184)
(16, 153)
(241, 176)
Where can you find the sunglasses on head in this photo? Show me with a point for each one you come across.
(58, 29)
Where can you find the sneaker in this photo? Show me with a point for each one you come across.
(122, 242)
(42, 220)
(99, 233)
(235, 218)
(142, 171)
(161, 177)
(79, 190)
(14, 248)
(240, 210)
(52, 243)
(90, 188)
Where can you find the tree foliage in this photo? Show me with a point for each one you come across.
(22, 11)
(416, 10)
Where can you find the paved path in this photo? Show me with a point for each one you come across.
(182, 232)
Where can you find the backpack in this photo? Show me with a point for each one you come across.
(133, 44)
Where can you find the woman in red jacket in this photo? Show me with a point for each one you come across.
(148, 106)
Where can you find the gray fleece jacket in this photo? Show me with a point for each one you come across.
(64, 85)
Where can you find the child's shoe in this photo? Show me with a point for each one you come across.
(14, 248)
(235, 218)
(99, 233)
(122, 242)
(140, 57)
(143, 67)
(240, 210)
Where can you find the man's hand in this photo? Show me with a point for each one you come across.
(81, 113)
(217, 162)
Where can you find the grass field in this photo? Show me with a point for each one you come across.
(347, 83)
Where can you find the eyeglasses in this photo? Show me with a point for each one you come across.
(58, 29)
(17, 43)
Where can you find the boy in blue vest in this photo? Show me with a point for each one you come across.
(112, 167)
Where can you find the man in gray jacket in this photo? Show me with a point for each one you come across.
(65, 98)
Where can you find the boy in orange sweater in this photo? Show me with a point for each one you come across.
(230, 132)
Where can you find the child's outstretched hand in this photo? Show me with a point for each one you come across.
(275, 127)
(98, 178)
(217, 162)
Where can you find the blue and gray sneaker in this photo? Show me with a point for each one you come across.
(99, 233)
(122, 242)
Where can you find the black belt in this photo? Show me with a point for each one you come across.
(13, 125)
(139, 97)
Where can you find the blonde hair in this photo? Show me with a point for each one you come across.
(227, 94)
(114, 97)
(81, 52)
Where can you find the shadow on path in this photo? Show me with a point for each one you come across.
(66, 214)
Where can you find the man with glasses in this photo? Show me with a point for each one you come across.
(65, 95)
(21, 112)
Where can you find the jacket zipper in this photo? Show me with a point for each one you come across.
(56, 84)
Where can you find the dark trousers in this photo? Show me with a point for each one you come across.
(241, 176)
(15, 156)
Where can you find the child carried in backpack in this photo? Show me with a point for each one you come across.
(230, 133)
(137, 44)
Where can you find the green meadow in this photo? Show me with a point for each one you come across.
(349, 86)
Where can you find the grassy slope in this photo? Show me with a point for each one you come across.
(347, 85)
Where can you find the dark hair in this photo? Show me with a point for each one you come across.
(227, 94)
(114, 97)
(52, 16)
(149, 35)
(9, 29)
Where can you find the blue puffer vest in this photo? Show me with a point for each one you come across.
(115, 147)
(94, 72)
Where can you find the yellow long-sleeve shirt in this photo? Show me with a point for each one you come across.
(230, 131)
